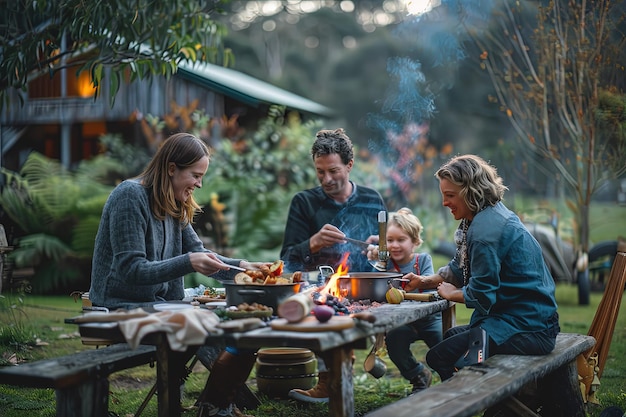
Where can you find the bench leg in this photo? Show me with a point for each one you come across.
(555, 395)
(561, 393)
(513, 407)
(90, 399)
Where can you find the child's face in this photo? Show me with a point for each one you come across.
(399, 244)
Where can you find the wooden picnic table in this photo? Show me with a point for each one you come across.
(335, 347)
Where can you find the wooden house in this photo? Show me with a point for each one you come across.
(60, 118)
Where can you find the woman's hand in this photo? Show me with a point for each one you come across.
(450, 292)
(207, 263)
(414, 283)
(421, 282)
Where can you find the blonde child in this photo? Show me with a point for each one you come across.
(403, 238)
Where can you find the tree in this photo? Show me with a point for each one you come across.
(557, 67)
(332, 52)
(137, 37)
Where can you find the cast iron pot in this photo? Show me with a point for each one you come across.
(269, 295)
(368, 285)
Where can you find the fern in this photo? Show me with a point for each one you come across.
(58, 213)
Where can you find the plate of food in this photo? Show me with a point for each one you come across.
(205, 299)
(245, 310)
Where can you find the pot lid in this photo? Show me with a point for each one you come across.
(284, 353)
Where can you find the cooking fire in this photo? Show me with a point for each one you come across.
(334, 296)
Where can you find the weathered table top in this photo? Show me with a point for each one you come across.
(388, 316)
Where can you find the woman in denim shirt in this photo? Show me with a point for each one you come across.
(498, 270)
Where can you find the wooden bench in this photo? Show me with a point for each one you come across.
(522, 384)
(80, 380)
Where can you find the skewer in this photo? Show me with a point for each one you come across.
(238, 268)
(360, 243)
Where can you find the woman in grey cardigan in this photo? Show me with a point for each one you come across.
(146, 244)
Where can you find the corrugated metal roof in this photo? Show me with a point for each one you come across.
(247, 89)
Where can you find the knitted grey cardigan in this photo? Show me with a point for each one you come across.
(139, 259)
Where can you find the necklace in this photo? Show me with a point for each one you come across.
(460, 238)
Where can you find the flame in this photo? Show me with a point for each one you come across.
(332, 287)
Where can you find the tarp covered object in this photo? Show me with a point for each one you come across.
(558, 255)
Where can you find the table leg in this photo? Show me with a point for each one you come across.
(449, 318)
(170, 375)
(340, 383)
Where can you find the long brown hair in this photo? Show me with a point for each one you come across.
(182, 149)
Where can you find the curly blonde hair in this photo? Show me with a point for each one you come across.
(480, 183)
(410, 223)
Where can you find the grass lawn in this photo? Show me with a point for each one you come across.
(43, 318)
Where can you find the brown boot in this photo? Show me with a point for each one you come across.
(228, 374)
(317, 394)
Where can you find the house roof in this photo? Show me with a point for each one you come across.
(247, 89)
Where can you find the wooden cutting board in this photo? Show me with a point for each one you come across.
(310, 324)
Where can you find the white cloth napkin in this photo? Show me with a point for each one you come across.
(183, 328)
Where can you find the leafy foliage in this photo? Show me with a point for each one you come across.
(140, 37)
(118, 161)
(246, 195)
(255, 178)
(58, 213)
(611, 117)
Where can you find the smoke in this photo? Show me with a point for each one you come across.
(401, 129)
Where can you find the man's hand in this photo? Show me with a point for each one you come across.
(328, 235)
(373, 239)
